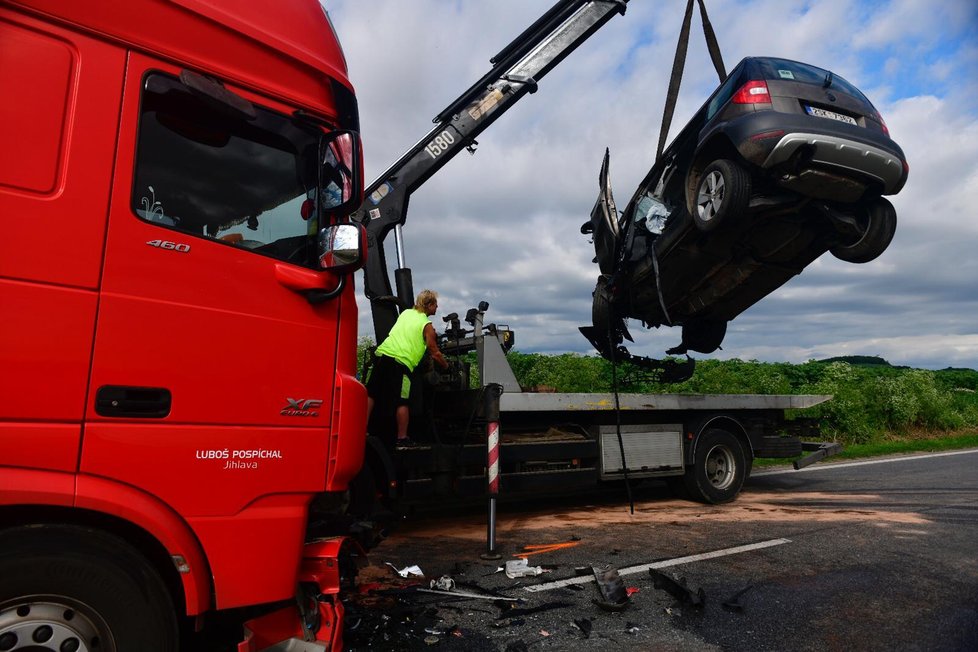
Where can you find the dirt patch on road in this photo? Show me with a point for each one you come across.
(811, 507)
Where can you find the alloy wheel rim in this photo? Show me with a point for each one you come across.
(710, 196)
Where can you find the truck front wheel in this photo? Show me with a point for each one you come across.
(77, 589)
(719, 468)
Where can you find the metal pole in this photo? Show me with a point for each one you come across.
(491, 408)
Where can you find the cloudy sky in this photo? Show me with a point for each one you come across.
(503, 225)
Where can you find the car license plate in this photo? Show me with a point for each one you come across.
(822, 113)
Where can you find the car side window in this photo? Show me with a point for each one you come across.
(243, 180)
(720, 97)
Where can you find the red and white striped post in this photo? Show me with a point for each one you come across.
(491, 411)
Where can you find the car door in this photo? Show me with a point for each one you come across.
(603, 225)
(212, 377)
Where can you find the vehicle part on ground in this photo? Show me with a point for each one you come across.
(719, 468)
(612, 588)
(73, 588)
(723, 191)
(877, 222)
(678, 589)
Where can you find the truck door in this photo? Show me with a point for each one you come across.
(212, 380)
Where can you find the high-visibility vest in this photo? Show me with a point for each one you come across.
(405, 343)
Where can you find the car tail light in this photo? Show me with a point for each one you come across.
(753, 92)
(882, 124)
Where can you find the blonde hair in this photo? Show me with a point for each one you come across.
(425, 297)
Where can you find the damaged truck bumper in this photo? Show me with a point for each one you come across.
(314, 623)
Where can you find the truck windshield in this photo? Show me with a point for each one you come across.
(211, 171)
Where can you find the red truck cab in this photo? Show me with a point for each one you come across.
(178, 332)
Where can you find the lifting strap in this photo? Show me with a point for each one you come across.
(679, 63)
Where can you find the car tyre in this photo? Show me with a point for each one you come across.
(879, 221)
(68, 587)
(719, 468)
(723, 191)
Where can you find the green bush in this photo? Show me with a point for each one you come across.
(871, 399)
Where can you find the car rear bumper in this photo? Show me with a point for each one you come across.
(769, 139)
(841, 154)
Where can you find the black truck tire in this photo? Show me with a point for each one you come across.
(879, 220)
(723, 193)
(74, 588)
(719, 468)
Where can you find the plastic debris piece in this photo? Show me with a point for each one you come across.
(412, 571)
(678, 589)
(631, 590)
(443, 583)
(632, 628)
(544, 632)
(432, 640)
(613, 595)
(521, 568)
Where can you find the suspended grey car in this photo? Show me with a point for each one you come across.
(784, 162)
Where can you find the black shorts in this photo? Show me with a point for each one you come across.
(389, 382)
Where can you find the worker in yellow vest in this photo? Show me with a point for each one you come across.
(389, 380)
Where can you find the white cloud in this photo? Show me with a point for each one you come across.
(504, 225)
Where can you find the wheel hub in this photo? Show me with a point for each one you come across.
(720, 467)
(44, 625)
(710, 196)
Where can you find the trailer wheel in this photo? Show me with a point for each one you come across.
(719, 468)
(79, 589)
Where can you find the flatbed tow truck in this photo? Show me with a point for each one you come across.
(704, 445)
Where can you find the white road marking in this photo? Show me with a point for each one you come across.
(844, 465)
(631, 570)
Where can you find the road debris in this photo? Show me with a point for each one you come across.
(678, 589)
(521, 568)
(613, 594)
(443, 583)
(465, 594)
(407, 571)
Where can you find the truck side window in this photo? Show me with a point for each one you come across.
(213, 172)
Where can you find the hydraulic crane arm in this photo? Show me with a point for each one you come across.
(516, 71)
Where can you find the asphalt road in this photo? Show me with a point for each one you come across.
(879, 555)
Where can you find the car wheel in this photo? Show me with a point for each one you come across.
(878, 221)
(73, 588)
(719, 468)
(723, 191)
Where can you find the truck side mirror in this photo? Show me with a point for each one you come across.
(342, 247)
(341, 172)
